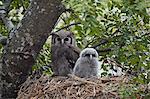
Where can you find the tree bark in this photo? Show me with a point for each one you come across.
(26, 42)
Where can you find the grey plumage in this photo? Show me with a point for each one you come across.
(64, 52)
(87, 64)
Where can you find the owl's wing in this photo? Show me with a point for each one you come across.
(63, 59)
(76, 68)
(72, 55)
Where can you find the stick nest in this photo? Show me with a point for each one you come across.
(72, 87)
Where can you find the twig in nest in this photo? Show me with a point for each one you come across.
(81, 79)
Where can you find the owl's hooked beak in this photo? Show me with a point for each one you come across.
(62, 41)
(91, 57)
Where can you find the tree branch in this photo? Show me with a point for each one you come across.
(7, 4)
(3, 40)
(106, 40)
(68, 10)
(103, 41)
(68, 26)
(105, 50)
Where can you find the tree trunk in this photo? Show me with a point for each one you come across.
(26, 42)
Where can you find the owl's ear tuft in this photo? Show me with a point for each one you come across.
(53, 34)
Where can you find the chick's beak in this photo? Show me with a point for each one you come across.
(91, 57)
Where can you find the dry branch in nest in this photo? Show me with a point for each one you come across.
(71, 87)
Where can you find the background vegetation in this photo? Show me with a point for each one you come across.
(119, 30)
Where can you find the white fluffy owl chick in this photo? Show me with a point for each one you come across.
(87, 64)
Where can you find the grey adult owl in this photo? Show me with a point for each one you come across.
(64, 52)
(87, 64)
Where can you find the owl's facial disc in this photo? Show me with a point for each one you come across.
(89, 53)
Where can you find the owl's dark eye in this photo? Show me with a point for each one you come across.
(58, 39)
(66, 39)
(87, 55)
(93, 55)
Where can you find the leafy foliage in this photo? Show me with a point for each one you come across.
(124, 25)
(43, 58)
